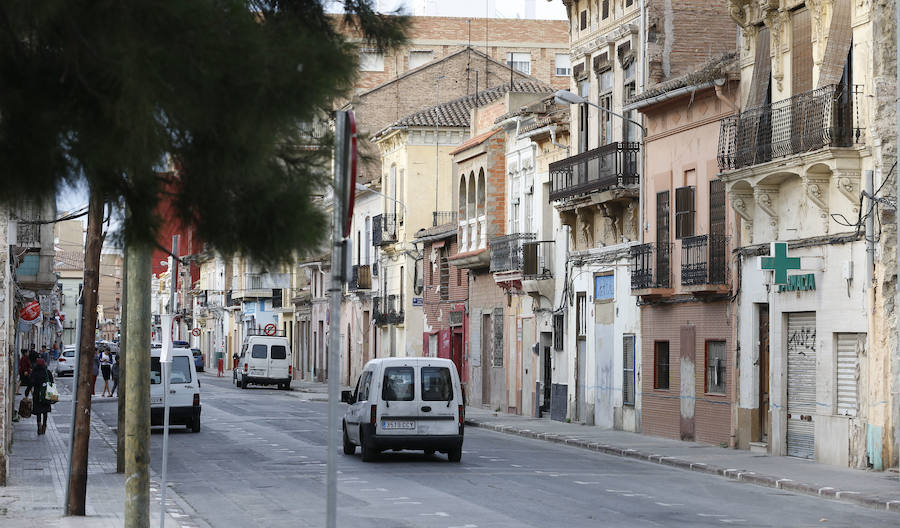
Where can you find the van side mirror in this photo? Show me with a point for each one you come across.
(347, 396)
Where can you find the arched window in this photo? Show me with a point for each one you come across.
(461, 204)
(481, 192)
(470, 204)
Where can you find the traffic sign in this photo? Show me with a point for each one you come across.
(270, 329)
(195, 332)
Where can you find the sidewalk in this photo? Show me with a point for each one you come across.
(36, 487)
(878, 490)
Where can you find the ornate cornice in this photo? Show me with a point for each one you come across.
(816, 189)
(847, 183)
(766, 198)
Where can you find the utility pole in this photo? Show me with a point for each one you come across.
(165, 364)
(80, 304)
(121, 388)
(137, 398)
(82, 435)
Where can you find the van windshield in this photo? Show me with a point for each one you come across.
(398, 384)
(437, 385)
(279, 352)
(258, 352)
(181, 371)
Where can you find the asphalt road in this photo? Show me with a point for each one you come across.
(259, 460)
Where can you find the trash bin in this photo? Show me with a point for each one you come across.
(220, 360)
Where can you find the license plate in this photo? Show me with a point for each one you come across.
(397, 424)
(257, 372)
(155, 400)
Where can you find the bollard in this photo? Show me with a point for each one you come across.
(221, 366)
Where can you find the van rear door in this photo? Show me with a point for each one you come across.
(438, 409)
(400, 413)
(279, 359)
(258, 362)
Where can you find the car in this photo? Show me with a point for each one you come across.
(405, 403)
(198, 359)
(184, 390)
(65, 364)
(264, 360)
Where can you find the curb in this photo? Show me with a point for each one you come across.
(739, 475)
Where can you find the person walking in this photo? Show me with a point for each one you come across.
(95, 372)
(54, 353)
(115, 375)
(24, 371)
(106, 369)
(45, 354)
(40, 376)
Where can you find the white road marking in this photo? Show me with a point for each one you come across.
(408, 502)
(436, 514)
(465, 526)
(515, 465)
(712, 515)
(584, 483)
(618, 491)
(396, 498)
(373, 489)
(668, 504)
(729, 521)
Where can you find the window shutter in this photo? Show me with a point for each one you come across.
(801, 52)
(839, 37)
(762, 70)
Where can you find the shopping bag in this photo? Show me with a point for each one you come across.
(51, 394)
(25, 408)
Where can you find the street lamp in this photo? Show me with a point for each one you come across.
(361, 187)
(567, 97)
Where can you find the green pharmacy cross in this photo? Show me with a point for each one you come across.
(780, 263)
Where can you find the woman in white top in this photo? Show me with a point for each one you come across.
(105, 368)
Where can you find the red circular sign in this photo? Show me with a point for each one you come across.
(195, 332)
(30, 311)
(270, 329)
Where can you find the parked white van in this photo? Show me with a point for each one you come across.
(265, 360)
(405, 403)
(184, 390)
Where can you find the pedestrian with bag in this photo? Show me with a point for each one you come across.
(105, 368)
(24, 371)
(40, 379)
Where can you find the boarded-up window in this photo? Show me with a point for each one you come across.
(661, 365)
(497, 352)
(559, 330)
(848, 347)
(605, 9)
(715, 367)
(444, 275)
(583, 25)
(628, 370)
(684, 212)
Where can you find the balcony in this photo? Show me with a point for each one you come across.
(651, 269)
(507, 255)
(387, 311)
(385, 227)
(443, 217)
(610, 166)
(824, 117)
(538, 257)
(704, 263)
(360, 278)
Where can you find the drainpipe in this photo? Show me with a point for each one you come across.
(868, 204)
(896, 360)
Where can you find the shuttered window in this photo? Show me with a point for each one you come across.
(581, 314)
(558, 332)
(684, 212)
(444, 274)
(715, 367)
(628, 370)
(840, 34)
(848, 347)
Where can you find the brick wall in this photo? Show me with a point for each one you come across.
(436, 310)
(660, 411)
(686, 35)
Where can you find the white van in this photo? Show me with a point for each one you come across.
(184, 390)
(405, 403)
(265, 360)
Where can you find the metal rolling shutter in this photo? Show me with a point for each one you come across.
(846, 380)
(801, 389)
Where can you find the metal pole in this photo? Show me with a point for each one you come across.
(80, 304)
(165, 363)
(121, 387)
(896, 362)
(137, 397)
(335, 290)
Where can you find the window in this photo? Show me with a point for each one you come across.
(629, 3)
(437, 385)
(606, 135)
(604, 287)
(458, 277)
(279, 352)
(420, 57)
(558, 332)
(370, 60)
(628, 370)
(661, 364)
(848, 348)
(181, 370)
(606, 81)
(258, 352)
(398, 384)
(584, 89)
(684, 212)
(715, 367)
(581, 314)
(605, 9)
(630, 130)
(497, 321)
(444, 274)
(563, 65)
(519, 61)
(583, 24)
(362, 387)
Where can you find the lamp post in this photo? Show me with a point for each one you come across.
(567, 97)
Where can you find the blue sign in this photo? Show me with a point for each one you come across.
(417, 301)
(604, 287)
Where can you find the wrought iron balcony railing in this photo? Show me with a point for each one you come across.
(507, 252)
(704, 260)
(824, 117)
(651, 266)
(600, 169)
(387, 310)
(538, 257)
(385, 227)
(443, 217)
(360, 278)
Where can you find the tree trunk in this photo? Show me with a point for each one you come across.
(137, 403)
(121, 389)
(82, 434)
